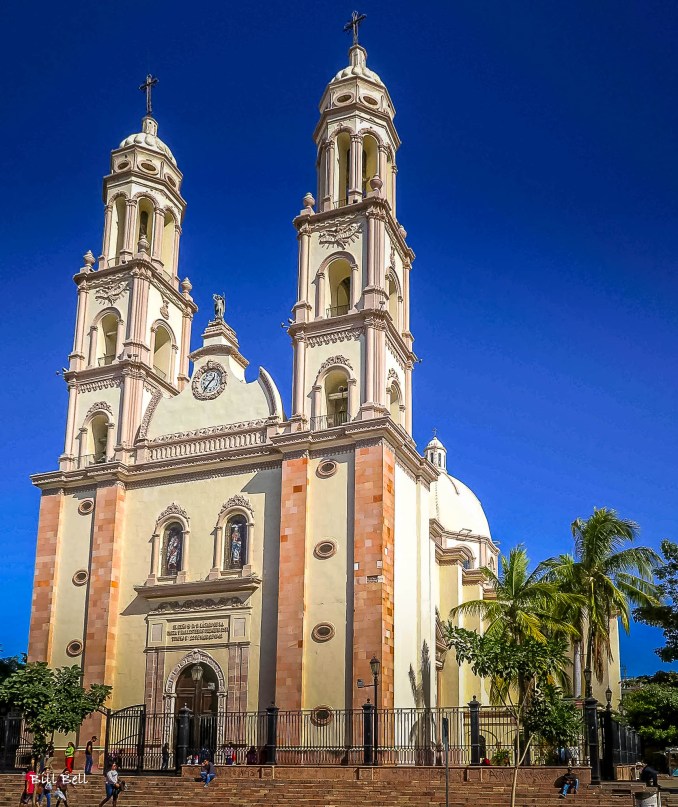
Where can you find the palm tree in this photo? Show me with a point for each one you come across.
(526, 604)
(608, 576)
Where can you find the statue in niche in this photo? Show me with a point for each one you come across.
(173, 550)
(219, 306)
(237, 538)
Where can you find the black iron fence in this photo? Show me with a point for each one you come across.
(139, 741)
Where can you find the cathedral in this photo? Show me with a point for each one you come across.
(195, 521)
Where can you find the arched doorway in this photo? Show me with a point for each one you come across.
(197, 688)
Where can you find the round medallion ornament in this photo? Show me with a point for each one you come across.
(80, 577)
(85, 507)
(74, 648)
(321, 716)
(209, 381)
(322, 632)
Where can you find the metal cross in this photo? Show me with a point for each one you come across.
(146, 87)
(354, 24)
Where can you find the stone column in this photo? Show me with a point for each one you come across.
(353, 397)
(70, 422)
(382, 163)
(129, 247)
(186, 320)
(408, 397)
(78, 354)
(110, 440)
(156, 247)
(394, 171)
(106, 242)
(302, 305)
(330, 195)
(175, 251)
(380, 362)
(371, 249)
(47, 557)
(320, 302)
(173, 364)
(406, 296)
(92, 352)
(218, 557)
(299, 373)
(369, 360)
(356, 289)
(155, 554)
(316, 401)
(82, 442)
(355, 192)
(184, 574)
(119, 338)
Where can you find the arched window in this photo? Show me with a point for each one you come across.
(235, 548)
(162, 351)
(339, 276)
(344, 161)
(167, 253)
(336, 398)
(172, 550)
(107, 339)
(370, 162)
(116, 240)
(393, 301)
(97, 438)
(395, 403)
(144, 221)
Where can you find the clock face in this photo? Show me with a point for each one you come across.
(211, 381)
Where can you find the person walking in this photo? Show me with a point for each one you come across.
(165, 757)
(208, 772)
(46, 788)
(89, 755)
(61, 790)
(29, 787)
(113, 785)
(70, 757)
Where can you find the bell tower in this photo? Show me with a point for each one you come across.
(133, 322)
(351, 335)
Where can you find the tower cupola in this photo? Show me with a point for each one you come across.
(436, 453)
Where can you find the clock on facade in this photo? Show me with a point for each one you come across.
(209, 381)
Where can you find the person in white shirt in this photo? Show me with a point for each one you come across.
(112, 785)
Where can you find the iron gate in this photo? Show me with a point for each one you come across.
(15, 743)
(137, 741)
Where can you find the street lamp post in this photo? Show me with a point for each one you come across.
(375, 666)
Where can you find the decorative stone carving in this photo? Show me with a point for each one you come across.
(99, 406)
(95, 386)
(334, 337)
(171, 510)
(340, 234)
(207, 604)
(109, 290)
(194, 657)
(207, 431)
(331, 362)
(164, 308)
(148, 414)
(236, 501)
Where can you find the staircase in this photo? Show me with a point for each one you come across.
(338, 787)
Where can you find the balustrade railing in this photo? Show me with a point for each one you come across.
(322, 422)
(336, 311)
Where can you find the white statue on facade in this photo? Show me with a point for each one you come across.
(219, 306)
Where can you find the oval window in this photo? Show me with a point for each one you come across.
(321, 715)
(74, 648)
(86, 506)
(322, 632)
(345, 98)
(148, 167)
(371, 101)
(325, 549)
(327, 468)
(172, 181)
(123, 166)
(80, 577)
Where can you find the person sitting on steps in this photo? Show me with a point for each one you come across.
(208, 772)
(570, 783)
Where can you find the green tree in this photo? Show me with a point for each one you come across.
(664, 614)
(51, 700)
(607, 576)
(526, 604)
(651, 707)
(522, 675)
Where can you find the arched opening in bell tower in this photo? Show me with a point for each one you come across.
(144, 221)
(116, 240)
(97, 438)
(339, 276)
(167, 249)
(393, 300)
(344, 162)
(162, 351)
(370, 162)
(107, 339)
(336, 398)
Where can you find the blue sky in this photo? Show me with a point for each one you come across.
(536, 180)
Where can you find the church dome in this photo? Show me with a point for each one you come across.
(457, 507)
(357, 68)
(148, 138)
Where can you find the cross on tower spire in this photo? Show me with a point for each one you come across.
(147, 87)
(354, 24)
